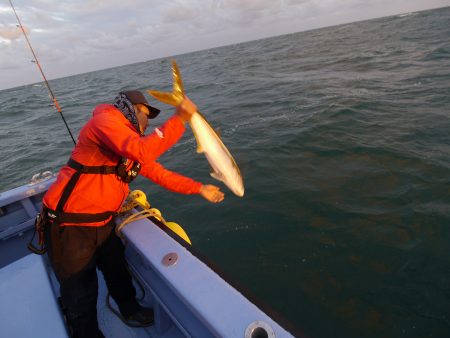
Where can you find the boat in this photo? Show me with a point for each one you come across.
(190, 297)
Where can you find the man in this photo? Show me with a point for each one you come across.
(79, 206)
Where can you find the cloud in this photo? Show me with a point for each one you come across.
(251, 5)
(86, 7)
(87, 34)
(10, 32)
(107, 41)
(180, 11)
(7, 63)
(44, 19)
(210, 16)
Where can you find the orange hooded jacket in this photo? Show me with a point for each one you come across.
(103, 141)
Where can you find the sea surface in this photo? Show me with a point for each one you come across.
(343, 138)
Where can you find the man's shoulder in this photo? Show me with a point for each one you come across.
(105, 108)
(106, 118)
(103, 113)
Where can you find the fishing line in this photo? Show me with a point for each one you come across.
(36, 61)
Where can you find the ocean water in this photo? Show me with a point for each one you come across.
(343, 138)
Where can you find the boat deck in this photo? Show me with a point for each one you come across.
(113, 327)
(20, 303)
(26, 310)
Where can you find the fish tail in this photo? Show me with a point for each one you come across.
(177, 95)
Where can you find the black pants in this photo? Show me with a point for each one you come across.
(75, 252)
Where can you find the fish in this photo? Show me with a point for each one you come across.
(224, 167)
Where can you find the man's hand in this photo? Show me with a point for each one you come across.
(186, 109)
(212, 193)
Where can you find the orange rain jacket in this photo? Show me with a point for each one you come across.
(104, 140)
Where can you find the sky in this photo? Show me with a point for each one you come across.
(78, 36)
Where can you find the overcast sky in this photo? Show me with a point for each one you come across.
(77, 36)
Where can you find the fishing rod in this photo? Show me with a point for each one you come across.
(36, 61)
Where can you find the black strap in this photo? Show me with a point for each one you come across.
(39, 224)
(59, 215)
(69, 217)
(84, 169)
(68, 190)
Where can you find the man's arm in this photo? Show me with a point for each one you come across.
(179, 183)
(116, 133)
(169, 179)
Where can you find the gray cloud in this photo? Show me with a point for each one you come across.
(94, 34)
(10, 32)
(175, 12)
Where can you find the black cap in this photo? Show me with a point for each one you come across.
(136, 97)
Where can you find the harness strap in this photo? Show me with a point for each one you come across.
(84, 169)
(69, 217)
(59, 215)
(68, 190)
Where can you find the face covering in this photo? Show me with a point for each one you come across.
(122, 103)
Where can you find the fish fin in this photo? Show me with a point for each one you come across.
(177, 95)
(168, 98)
(199, 148)
(217, 176)
(178, 88)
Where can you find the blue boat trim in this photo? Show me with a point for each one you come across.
(232, 281)
(189, 288)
